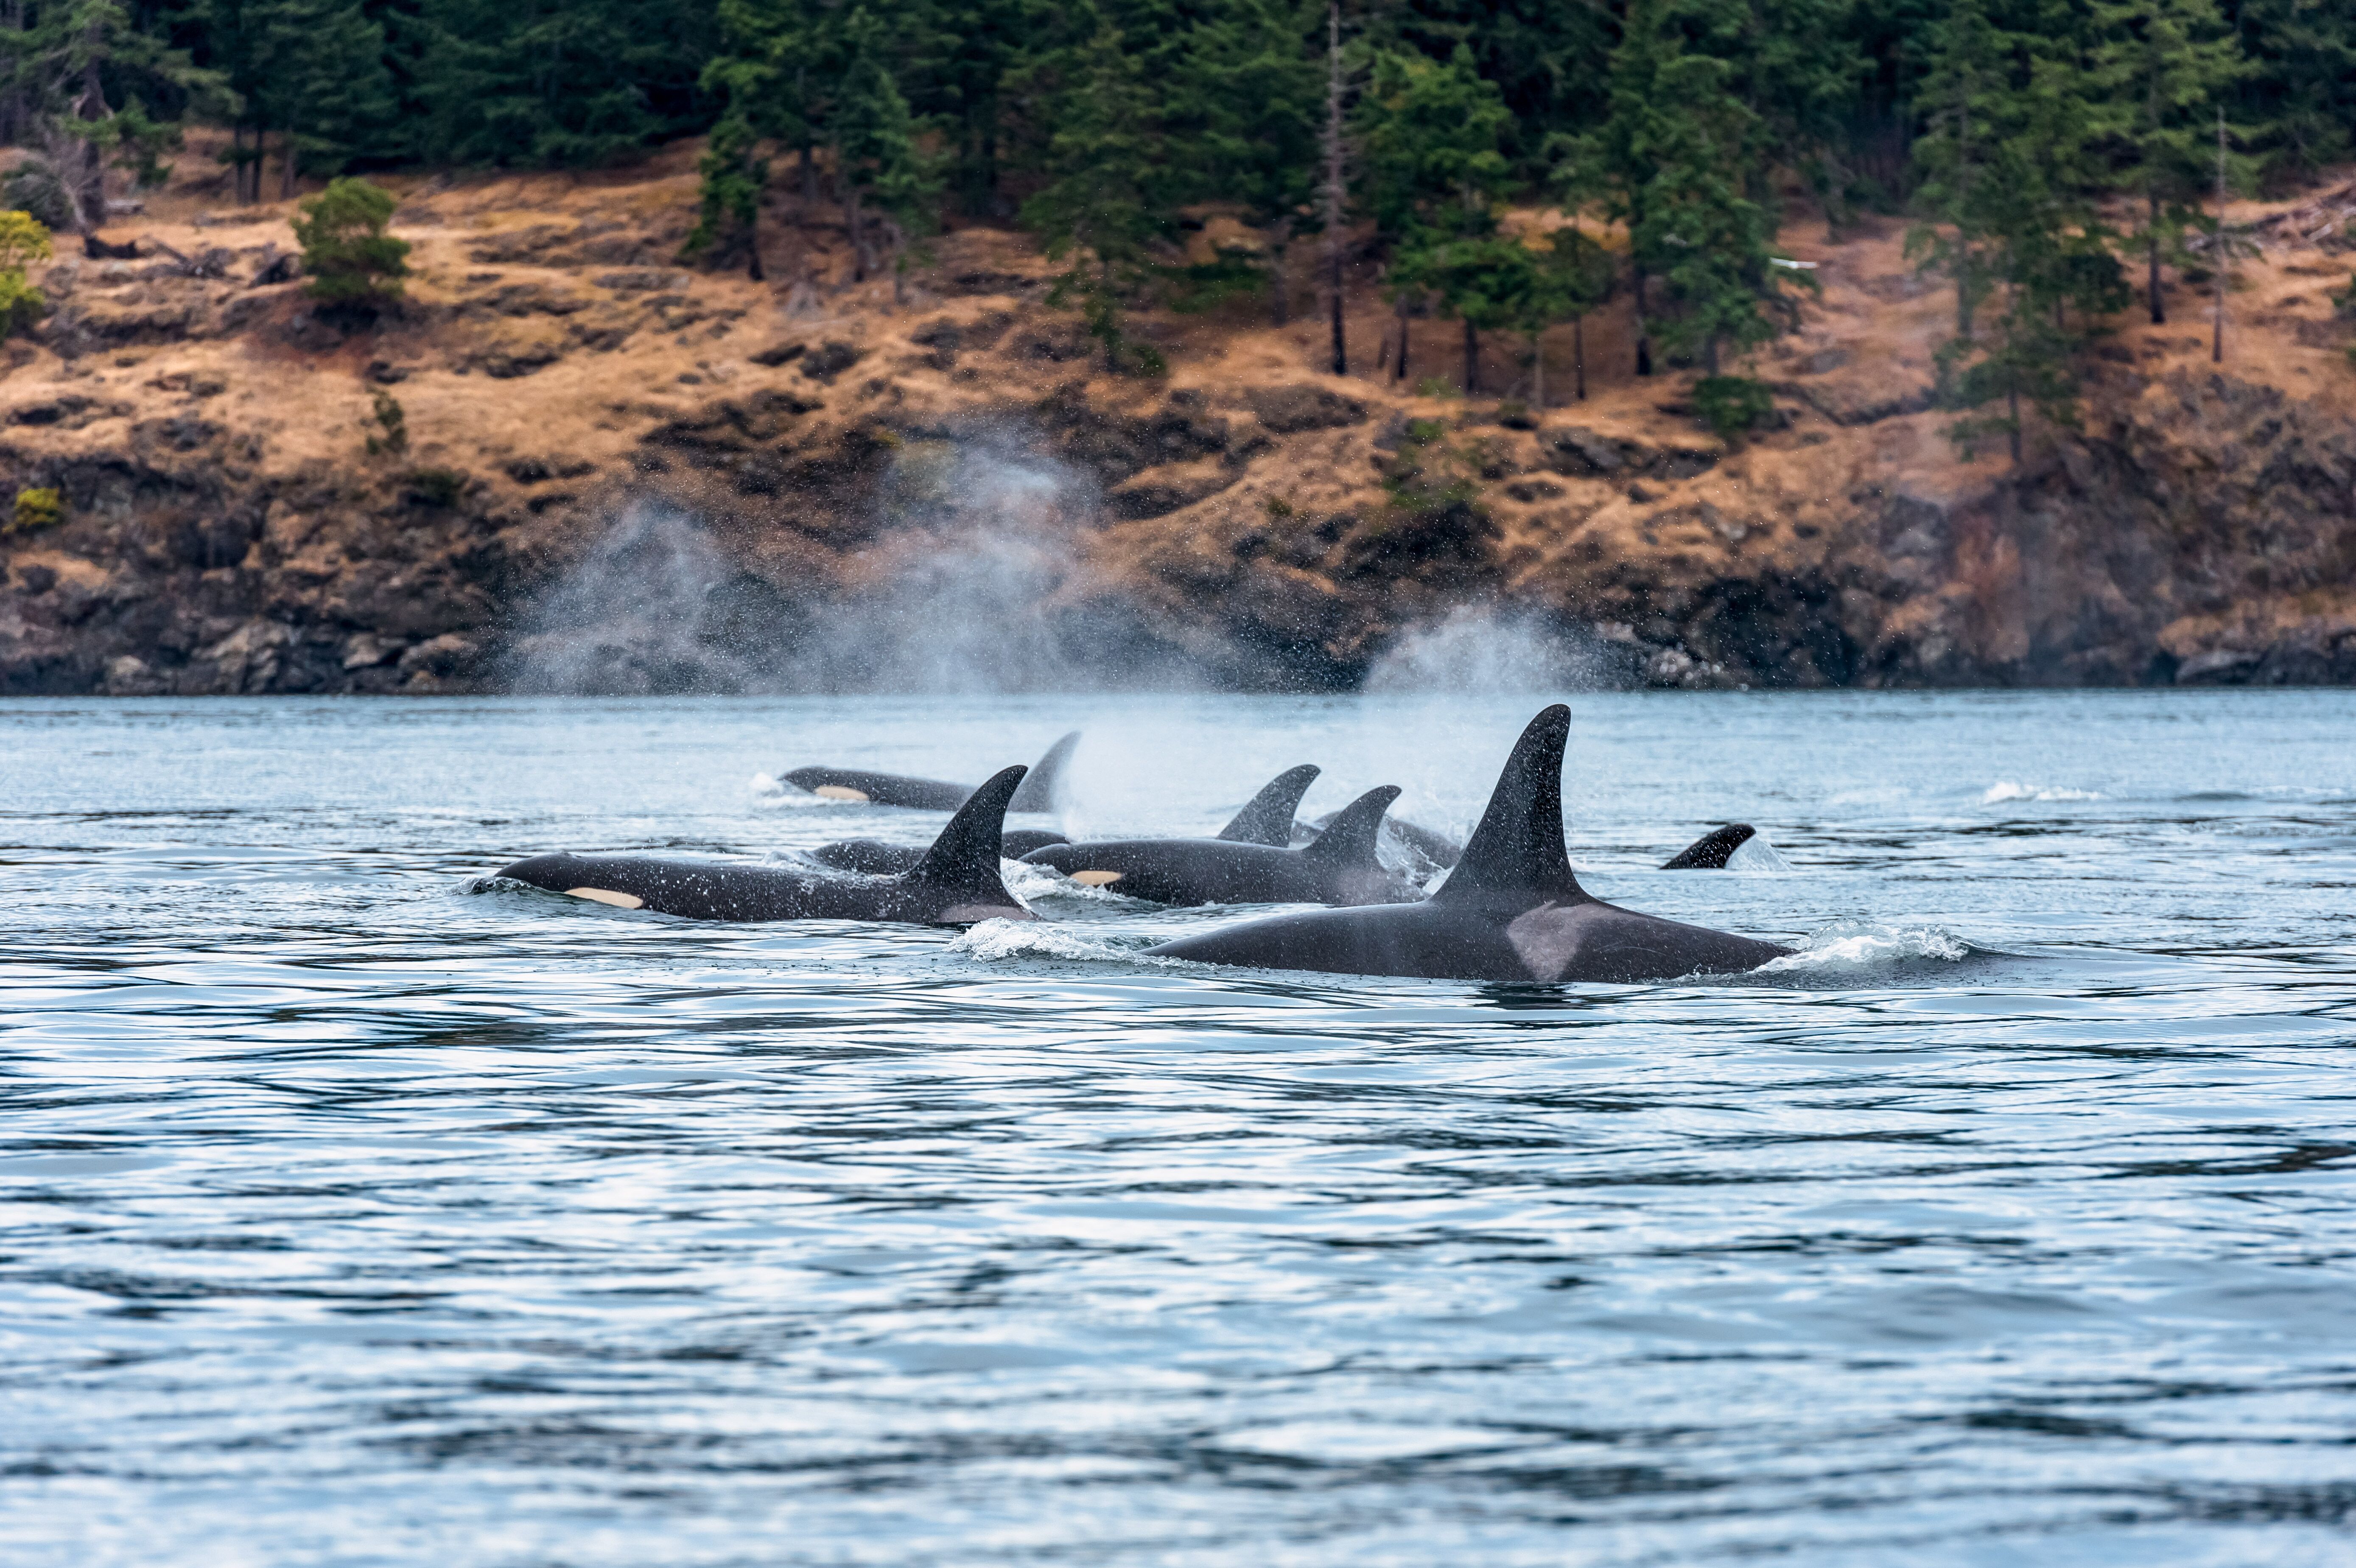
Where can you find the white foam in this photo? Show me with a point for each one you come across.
(997, 940)
(2005, 789)
(1853, 945)
(770, 794)
(1027, 882)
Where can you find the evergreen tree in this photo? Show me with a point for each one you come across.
(312, 72)
(889, 189)
(2163, 66)
(967, 50)
(728, 214)
(60, 67)
(1542, 56)
(1248, 98)
(1436, 175)
(1111, 181)
(1566, 276)
(2301, 85)
(539, 82)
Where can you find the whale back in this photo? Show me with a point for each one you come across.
(1712, 850)
(1045, 781)
(1517, 854)
(1348, 842)
(963, 862)
(1268, 818)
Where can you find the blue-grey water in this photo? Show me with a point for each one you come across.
(352, 1212)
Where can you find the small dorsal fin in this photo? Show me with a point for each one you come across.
(1269, 818)
(1712, 850)
(1045, 779)
(1517, 850)
(1349, 839)
(964, 859)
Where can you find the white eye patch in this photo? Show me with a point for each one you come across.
(1097, 878)
(839, 792)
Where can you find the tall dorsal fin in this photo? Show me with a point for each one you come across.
(964, 859)
(1349, 839)
(1517, 850)
(1712, 850)
(1045, 779)
(1267, 819)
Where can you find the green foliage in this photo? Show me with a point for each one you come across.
(439, 487)
(37, 508)
(890, 184)
(557, 82)
(347, 254)
(23, 240)
(309, 74)
(1111, 190)
(1731, 406)
(734, 175)
(1428, 475)
(393, 419)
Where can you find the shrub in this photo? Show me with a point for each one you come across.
(38, 509)
(350, 258)
(1731, 404)
(34, 189)
(436, 487)
(23, 241)
(396, 423)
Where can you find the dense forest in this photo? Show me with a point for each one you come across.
(1510, 166)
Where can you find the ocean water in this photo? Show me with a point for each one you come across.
(354, 1210)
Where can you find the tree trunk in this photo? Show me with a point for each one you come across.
(90, 199)
(290, 182)
(1644, 341)
(2012, 401)
(1279, 308)
(753, 240)
(2158, 308)
(1537, 374)
(1403, 340)
(1471, 358)
(852, 224)
(1578, 353)
(1335, 190)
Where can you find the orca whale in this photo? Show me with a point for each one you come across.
(955, 884)
(1436, 849)
(1712, 850)
(1339, 868)
(1511, 909)
(875, 857)
(1037, 794)
(1266, 817)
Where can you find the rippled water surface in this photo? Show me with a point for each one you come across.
(356, 1213)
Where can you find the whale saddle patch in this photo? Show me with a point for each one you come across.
(607, 895)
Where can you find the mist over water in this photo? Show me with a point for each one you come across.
(970, 587)
(1488, 650)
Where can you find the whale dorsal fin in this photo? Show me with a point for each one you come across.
(1349, 839)
(1712, 850)
(1045, 777)
(1517, 850)
(964, 859)
(1267, 819)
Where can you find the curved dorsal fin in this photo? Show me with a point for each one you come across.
(1269, 818)
(1517, 850)
(1349, 839)
(1712, 850)
(964, 859)
(1045, 779)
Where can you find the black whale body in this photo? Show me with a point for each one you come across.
(1511, 910)
(1340, 868)
(956, 883)
(875, 857)
(1037, 793)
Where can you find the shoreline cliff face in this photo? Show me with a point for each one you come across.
(568, 463)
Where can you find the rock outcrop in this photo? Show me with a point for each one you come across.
(257, 497)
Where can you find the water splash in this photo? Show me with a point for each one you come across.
(1479, 650)
(2007, 790)
(1860, 944)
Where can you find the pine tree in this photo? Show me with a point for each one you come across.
(1435, 177)
(2163, 67)
(563, 82)
(1112, 183)
(967, 51)
(61, 68)
(1566, 276)
(2301, 85)
(1247, 99)
(313, 71)
(734, 175)
(888, 185)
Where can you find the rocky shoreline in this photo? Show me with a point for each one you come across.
(613, 474)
